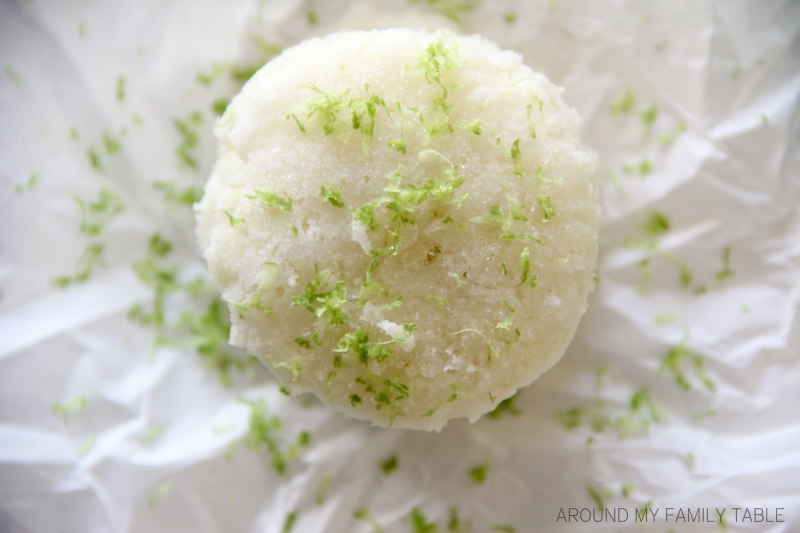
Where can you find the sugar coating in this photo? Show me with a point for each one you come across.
(423, 271)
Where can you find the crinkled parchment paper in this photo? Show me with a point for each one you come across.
(681, 387)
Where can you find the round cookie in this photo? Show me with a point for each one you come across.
(403, 223)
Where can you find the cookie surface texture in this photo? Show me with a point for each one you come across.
(403, 223)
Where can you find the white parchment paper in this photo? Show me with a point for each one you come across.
(153, 441)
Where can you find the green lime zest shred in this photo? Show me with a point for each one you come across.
(332, 194)
(657, 224)
(624, 104)
(643, 168)
(327, 108)
(493, 353)
(452, 9)
(505, 406)
(121, 89)
(473, 127)
(256, 299)
(420, 524)
(389, 465)
(234, 221)
(506, 323)
(14, 76)
(571, 418)
(673, 363)
(531, 128)
(219, 106)
(399, 145)
(479, 473)
(515, 155)
(95, 214)
(176, 196)
(331, 301)
(294, 364)
(456, 393)
(365, 515)
(440, 301)
(328, 381)
(649, 114)
(66, 408)
(158, 246)
(726, 270)
(263, 436)
(288, 522)
(189, 133)
(507, 221)
(161, 491)
(87, 261)
(356, 347)
(670, 136)
(440, 57)
(208, 335)
(111, 143)
(547, 206)
(363, 112)
(322, 489)
(272, 200)
(526, 279)
(94, 160)
(596, 497)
